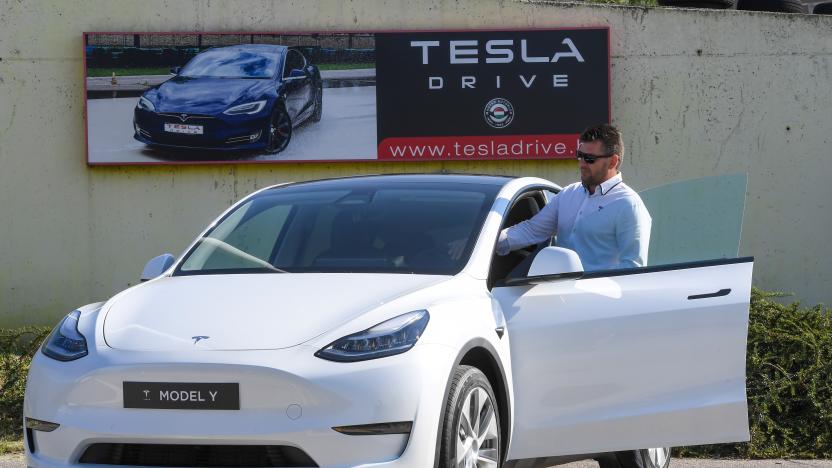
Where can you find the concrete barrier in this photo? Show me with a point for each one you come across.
(696, 93)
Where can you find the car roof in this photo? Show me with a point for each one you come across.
(357, 181)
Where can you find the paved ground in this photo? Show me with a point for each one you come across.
(17, 461)
(347, 130)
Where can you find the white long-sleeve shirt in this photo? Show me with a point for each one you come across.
(608, 229)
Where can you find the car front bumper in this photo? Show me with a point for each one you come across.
(287, 397)
(219, 132)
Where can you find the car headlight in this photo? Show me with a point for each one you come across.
(393, 336)
(66, 343)
(144, 103)
(247, 108)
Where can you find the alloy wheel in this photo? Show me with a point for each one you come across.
(477, 444)
(280, 131)
(659, 456)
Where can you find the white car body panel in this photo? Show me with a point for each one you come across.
(620, 362)
(288, 309)
(264, 331)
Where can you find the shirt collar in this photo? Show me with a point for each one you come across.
(608, 184)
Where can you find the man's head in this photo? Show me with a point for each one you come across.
(603, 146)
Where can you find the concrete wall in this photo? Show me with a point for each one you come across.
(696, 93)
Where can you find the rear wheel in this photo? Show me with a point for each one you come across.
(471, 424)
(319, 105)
(280, 130)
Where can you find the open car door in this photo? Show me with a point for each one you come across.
(627, 359)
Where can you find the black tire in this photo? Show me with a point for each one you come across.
(713, 4)
(319, 105)
(279, 130)
(823, 9)
(633, 459)
(777, 6)
(467, 381)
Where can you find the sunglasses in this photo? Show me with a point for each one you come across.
(590, 158)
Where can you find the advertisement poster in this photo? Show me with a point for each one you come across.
(183, 98)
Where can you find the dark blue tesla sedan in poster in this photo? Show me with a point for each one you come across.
(242, 97)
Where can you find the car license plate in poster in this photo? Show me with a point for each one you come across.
(181, 395)
(182, 128)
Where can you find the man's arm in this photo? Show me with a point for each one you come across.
(632, 234)
(534, 230)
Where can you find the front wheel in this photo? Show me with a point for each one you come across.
(471, 424)
(645, 458)
(280, 130)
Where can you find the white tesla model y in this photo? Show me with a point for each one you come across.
(367, 322)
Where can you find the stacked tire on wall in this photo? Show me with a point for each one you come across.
(781, 6)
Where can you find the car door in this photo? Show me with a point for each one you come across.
(633, 358)
(297, 88)
(645, 357)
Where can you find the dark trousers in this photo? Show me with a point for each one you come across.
(623, 459)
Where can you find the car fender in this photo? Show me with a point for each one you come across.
(505, 404)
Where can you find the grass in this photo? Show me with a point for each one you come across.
(133, 71)
(8, 446)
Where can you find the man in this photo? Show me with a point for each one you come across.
(600, 217)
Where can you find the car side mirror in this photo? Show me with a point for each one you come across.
(175, 70)
(555, 261)
(297, 73)
(156, 266)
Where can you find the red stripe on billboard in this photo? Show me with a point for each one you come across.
(478, 147)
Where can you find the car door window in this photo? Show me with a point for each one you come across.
(524, 207)
(696, 219)
(294, 61)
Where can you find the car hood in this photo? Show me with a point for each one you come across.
(246, 311)
(205, 95)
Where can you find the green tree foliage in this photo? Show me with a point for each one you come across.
(16, 349)
(789, 371)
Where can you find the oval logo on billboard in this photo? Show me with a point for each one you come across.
(498, 113)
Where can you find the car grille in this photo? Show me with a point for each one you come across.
(196, 455)
(177, 118)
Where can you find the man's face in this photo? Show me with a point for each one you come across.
(600, 170)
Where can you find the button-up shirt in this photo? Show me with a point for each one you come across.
(608, 229)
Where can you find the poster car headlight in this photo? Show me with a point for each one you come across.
(144, 103)
(247, 108)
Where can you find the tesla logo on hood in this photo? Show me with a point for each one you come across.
(197, 339)
(184, 117)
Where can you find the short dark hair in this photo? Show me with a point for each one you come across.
(606, 134)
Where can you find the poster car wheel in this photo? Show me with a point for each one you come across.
(319, 105)
(280, 130)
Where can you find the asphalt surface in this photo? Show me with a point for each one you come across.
(17, 461)
(347, 131)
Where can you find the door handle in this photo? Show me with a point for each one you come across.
(720, 293)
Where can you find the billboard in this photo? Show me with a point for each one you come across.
(183, 98)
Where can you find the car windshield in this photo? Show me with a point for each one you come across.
(366, 226)
(232, 63)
